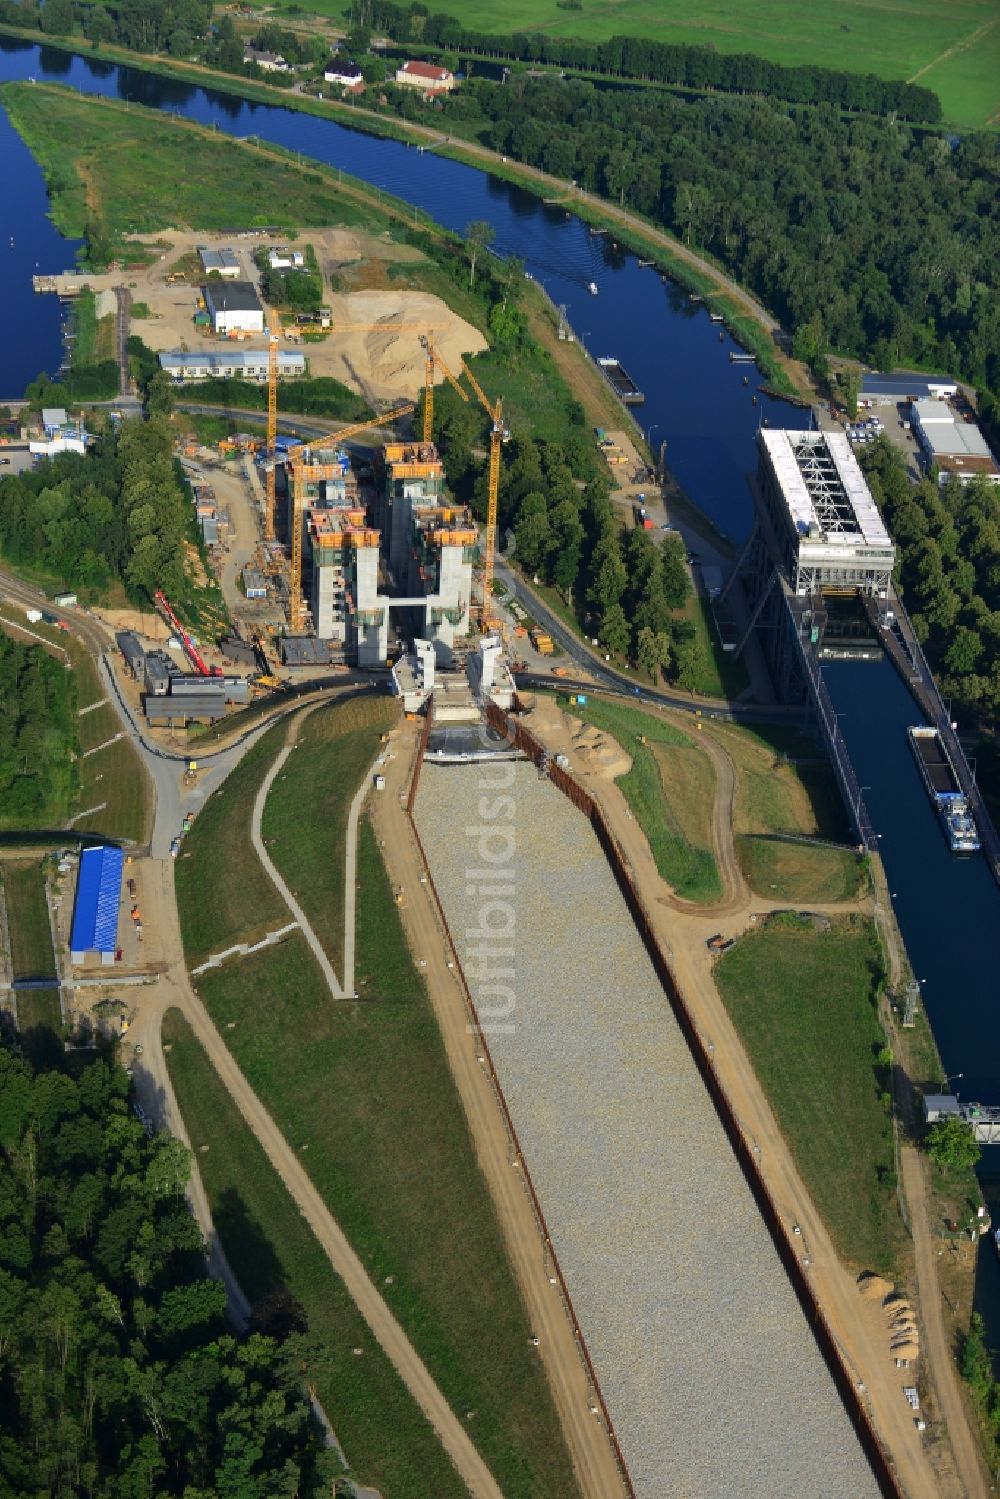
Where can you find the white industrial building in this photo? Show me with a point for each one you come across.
(230, 364)
(234, 307)
(283, 259)
(955, 447)
(224, 263)
(828, 527)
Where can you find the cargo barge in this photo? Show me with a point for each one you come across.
(621, 382)
(944, 789)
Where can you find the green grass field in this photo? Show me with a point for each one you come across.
(364, 1089)
(387, 1441)
(892, 38)
(113, 775)
(335, 747)
(138, 171)
(670, 789)
(38, 1009)
(799, 871)
(224, 895)
(28, 920)
(803, 1003)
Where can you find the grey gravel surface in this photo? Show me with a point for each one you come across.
(713, 1379)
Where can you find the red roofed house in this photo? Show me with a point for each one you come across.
(424, 75)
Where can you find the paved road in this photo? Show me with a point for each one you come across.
(602, 673)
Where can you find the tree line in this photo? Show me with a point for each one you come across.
(948, 570)
(873, 241)
(564, 530)
(120, 513)
(676, 63)
(38, 773)
(119, 1374)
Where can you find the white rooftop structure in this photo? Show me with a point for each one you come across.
(955, 446)
(823, 511)
(238, 364)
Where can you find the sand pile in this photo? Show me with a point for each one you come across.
(599, 752)
(391, 362)
(873, 1287)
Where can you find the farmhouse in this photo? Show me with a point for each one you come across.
(426, 76)
(268, 62)
(344, 74)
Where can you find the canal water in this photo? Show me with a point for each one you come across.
(696, 402)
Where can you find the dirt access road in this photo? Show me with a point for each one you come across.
(858, 1326)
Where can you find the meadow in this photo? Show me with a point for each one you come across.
(952, 50)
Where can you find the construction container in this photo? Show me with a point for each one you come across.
(542, 643)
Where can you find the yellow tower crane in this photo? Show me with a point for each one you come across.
(301, 471)
(498, 436)
(272, 424)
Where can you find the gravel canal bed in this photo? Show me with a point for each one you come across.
(711, 1374)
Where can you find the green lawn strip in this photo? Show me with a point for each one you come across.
(386, 1438)
(716, 673)
(799, 871)
(665, 771)
(38, 1009)
(336, 745)
(224, 895)
(28, 920)
(364, 1088)
(804, 1004)
(115, 776)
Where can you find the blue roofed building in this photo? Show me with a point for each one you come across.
(98, 894)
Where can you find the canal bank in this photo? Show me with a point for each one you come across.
(695, 401)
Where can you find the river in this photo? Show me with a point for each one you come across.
(696, 402)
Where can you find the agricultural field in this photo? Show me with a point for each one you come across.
(950, 49)
(825, 1082)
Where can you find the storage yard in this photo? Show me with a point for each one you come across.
(707, 1364)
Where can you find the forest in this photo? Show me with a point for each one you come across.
(623, 587)
(672, 63)
(118, 514)
(120, 1375)
(38, 773)
(948, 568)
(870, 240)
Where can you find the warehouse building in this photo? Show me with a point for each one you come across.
(230, 364)
(890, 390)
(822, 512)
(233, 307)
(132, 652)
(956, 448)
(224, 263)
(95, 913)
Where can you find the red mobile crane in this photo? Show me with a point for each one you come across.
(191, 651)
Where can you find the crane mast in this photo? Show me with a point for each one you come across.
(272, 424)
(301, 471)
